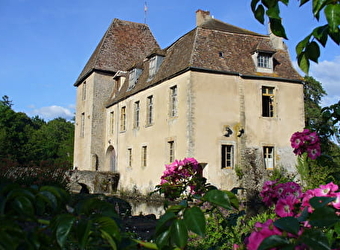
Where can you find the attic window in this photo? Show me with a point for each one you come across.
(154, 64)
(133, 77)
(263, 60)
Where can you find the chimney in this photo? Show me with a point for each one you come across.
(276, 41)
(202, 16)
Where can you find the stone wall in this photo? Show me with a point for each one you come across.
(93, 181)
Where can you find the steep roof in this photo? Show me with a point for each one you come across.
(215, 46)
(123, 44)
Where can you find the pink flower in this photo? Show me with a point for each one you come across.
(262, 231)
(285, 206)
(314, 151)
(336, 203)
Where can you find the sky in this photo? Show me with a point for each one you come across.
(45, 44)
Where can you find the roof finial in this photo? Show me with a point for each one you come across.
(145, 11)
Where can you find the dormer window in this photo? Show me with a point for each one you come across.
(133, 77)
(154, 64)
(263, 61)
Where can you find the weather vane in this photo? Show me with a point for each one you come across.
(145, 12)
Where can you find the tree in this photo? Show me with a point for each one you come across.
(309, 48)
(313, 93)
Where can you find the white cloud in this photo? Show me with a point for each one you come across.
(51, 112)
(328, 73)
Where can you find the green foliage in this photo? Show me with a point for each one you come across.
(30, 141)
(46, 173)
(309, 48)
(42, 218)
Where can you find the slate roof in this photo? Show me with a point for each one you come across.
(123, 44)
(215, 47)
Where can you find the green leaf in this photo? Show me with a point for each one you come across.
(175, 208)
(253, 4)
(313, 51)
(62, 226)
(273, 241)
(303, 62)
(83, 231)
(195, 220)
(147, 245)
(318, 202)
(163, 239)
(109, 239)
(288, 224)
(164, 221)
(335, 36)
(179, 233)
(315, 239)
(108, 225)
(49, 198)
(286, 2)
(302, 2)
(277, 28)
(23, 206)
(274, 12)
(321, 34)
(218, 198)
(323, 217)
(233, 199)
(300, 47)
(259, 14)
(317, 7)
(332, 13)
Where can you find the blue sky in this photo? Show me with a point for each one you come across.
(46, 44)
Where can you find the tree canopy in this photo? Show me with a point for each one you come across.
(309, 48)
(29, 141)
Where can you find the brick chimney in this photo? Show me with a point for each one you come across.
(202, 16)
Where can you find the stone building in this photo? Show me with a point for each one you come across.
(216, 92)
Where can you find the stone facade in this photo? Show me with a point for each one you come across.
(216, 93)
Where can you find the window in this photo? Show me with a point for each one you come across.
(171, 145)
(154, 64)
(112, 121)
(227, 156)
(84, 91)
(130, 157)
(82, 125)
(267, 101)
(136, 115)
(173, 101)
(264, 60)
(152, 67)
(123, 119)
(268, 156)
(133, 77)
(144, 155)
(149, 116)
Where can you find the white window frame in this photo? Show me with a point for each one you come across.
(123, 118)
(137, 114)
(150, 109)
(144, 156)
(268, 157)
(173, 101)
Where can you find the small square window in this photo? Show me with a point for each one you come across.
(264, 60)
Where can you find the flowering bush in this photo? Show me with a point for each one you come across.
(306, 142)
(305, 220)
(182, 178)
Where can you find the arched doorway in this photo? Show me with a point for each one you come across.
(111, 159)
